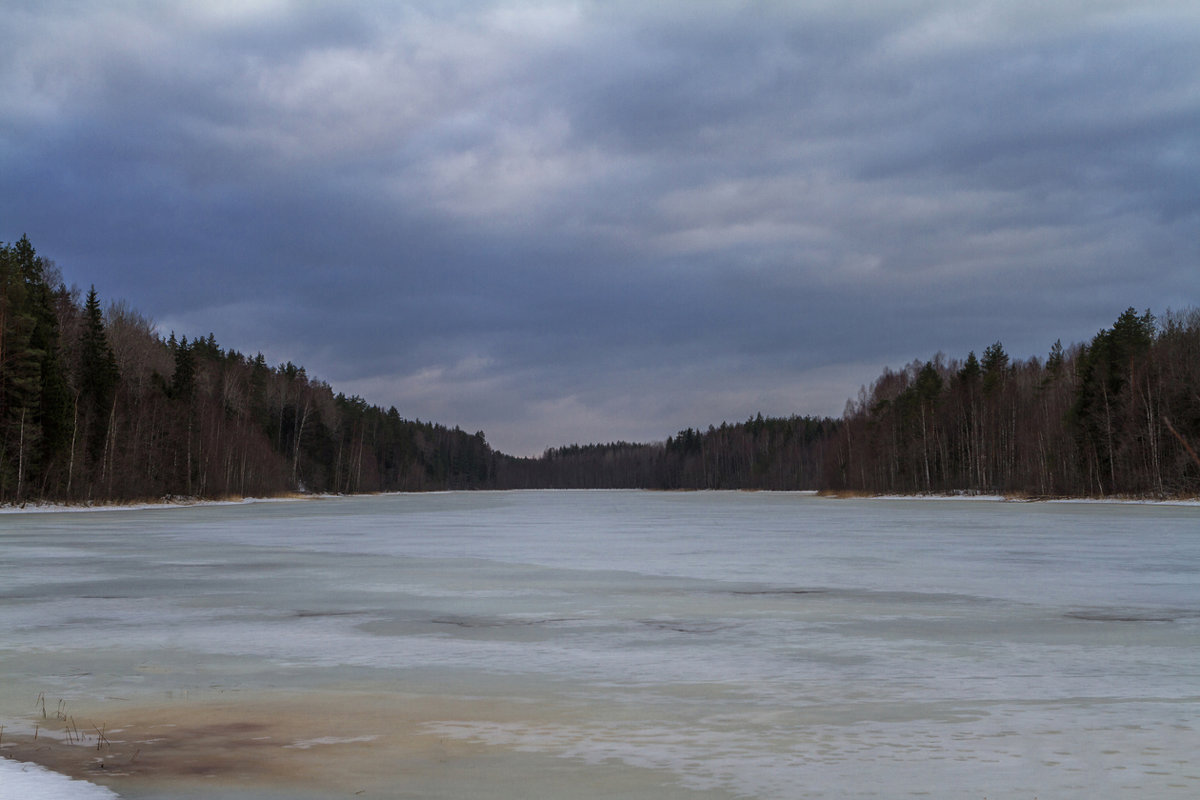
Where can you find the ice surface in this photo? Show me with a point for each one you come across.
(740, 643)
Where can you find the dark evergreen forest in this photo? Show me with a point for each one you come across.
(95, 406)
(1119, 415)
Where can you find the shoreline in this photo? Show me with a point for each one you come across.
(48, 507)
(1013, 498)
(53, 506)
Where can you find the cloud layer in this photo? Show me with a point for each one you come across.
(592, 221)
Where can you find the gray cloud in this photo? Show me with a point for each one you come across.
(589, 221)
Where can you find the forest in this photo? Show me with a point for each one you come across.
(97, 407)
(1116, 416)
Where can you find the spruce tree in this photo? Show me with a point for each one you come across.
(1054, 362)
(19, 372)
(34, 401)
(183, 380)
(98, 375)
(995, 367)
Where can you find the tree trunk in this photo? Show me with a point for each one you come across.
(296, 445)
(21, 456)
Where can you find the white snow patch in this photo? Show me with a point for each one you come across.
(50, 507)
(22, 781)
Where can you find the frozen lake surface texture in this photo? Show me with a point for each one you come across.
(605, 644)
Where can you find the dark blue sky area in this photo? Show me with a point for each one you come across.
(569, 222)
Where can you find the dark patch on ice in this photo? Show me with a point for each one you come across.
(306, 614)
(1125, 616)
(767, 592)
(681, 626)
(482, 622)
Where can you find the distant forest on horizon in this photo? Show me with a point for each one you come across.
(97, 407)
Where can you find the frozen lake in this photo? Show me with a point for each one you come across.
(608, 644)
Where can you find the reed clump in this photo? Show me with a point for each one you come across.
(66, 724)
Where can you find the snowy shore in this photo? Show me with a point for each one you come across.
(182, 502)
(999, 498)
(174, 502)
(20, 780)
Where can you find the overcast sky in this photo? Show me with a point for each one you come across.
(588, 221)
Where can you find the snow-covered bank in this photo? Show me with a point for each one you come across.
(1126, 501)
(1000, 498)
(52, 507)
(23, 781)
(983, 497)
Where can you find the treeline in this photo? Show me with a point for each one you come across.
(1119, 415)
(97, 407)
(761, 453)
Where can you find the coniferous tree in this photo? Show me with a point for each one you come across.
(1106, 401)
(34, 403)
(19, 373)
(98, 376)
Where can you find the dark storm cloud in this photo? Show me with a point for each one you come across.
(581, 221)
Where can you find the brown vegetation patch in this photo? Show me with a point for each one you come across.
(310, 745)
